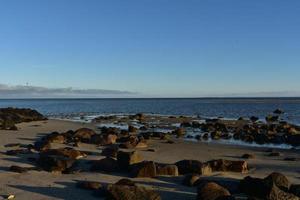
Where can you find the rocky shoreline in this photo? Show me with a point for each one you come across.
(121, 151)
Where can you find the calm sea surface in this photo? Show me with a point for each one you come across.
(207, 107)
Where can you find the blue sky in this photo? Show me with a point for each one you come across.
(153, 48)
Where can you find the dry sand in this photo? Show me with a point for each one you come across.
(40, 185)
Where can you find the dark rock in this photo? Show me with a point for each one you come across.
(105, 165)
(248, 156)
(84, 134)
(211, 191)
(143, 169)
(193, 166)
(278, 112)
(279, 180)
(191, 179)
(295, 189)
(123, 192)
(166, 170)
(89, 185)
(132, 129)
(125, 159)
(111, 152)
(18, 169)
(54, 163)
(125, 181)
(229, 166)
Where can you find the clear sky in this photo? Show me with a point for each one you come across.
(165, 48)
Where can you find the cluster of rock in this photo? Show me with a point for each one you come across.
(9, 117)
(273, 131)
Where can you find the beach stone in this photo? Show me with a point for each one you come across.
(105, 165)
(18, 169)
(125, 159)
(229, 166)
(279, 180)
(84, 134)
(110, 139)
(193, 166)
(211, 191)
(55, 138)
(191, 180)
(125, 181)
(143, 169)
(132, 129)
(89, 185)
(55, 163)
(123, 192)
(66, 152)
(42, 145)
(278, 111)
(179, 132)
(248, 156)
(295, 189)
(167, 170)
(262, 189)
(111, 152)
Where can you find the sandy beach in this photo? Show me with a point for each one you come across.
(41, 185)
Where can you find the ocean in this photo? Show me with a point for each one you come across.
(204, 107)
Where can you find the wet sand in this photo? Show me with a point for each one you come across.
(40, 185)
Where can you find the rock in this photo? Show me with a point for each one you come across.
(229, 166)
(42, 145)
(211, 191)
(55, 163)
(191, 180)
(56, 138)
(143, 169)
(279, 180)
(105, 165)
(142, 144)
(271, 118)
(132, 129)
(278, 112)
(193, 166)
(18, 169)
(17, 145)
(248, 156)
(264, 189)
(17, 151)
(89, 185)
(167, 170)
(179, 132)
(125, 159)
(110, 139)
(254, 119)
(66, 152)
(125, 181)
(11, 116)
(295, 189)
(123, 192)
(84, 134)
(110, 152)
(274, 154)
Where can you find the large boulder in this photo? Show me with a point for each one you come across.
(124, 192)
(143, 169)
(193, 166)
(125, 159)
(211, 191)
(229, 166)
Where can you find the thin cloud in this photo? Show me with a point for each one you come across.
(22, 91)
